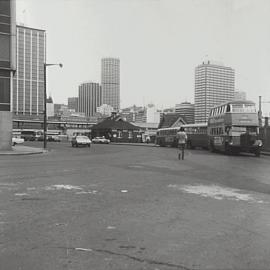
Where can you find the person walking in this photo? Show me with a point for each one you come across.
(182, 138)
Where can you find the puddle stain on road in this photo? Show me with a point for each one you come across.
(21, 194)
(216, 192)
(63, 187)
(87, 192)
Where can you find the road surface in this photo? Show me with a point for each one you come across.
(125, 207)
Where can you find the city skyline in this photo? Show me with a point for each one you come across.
(158, 55)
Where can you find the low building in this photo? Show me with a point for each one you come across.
(50, 107)
(105, 109)
(148, 130)
(117, 129)
(172, 120)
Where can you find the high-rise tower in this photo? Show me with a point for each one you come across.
(214, 84)
(89, 99)
(28, 83)
(110, 82)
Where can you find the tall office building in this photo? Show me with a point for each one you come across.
(7, 68)
(110, 82)
(73, 103)
(186, 109)
(90, 97)
(28, 83)
(214, 84)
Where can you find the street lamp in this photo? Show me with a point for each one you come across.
(45, 104)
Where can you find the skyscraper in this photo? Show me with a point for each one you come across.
(110, 82)
(90, 97)
(28, 83)
(214, 84)
(186, 109)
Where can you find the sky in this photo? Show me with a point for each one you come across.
(159, 44)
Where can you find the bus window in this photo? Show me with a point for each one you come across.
(228, 109)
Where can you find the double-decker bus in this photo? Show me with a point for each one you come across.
(233, 128)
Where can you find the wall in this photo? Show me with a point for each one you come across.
(5, 130)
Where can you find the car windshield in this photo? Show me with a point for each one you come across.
(82, 137)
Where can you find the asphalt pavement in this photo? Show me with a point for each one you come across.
(124, 207)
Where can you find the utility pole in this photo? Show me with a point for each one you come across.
(260, 111)
(45, 111)
(45, 65)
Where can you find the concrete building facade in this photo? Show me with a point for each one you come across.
(187, 110)
(73, 103)
(105, 109)
(7, 69)
(110, 82)
(28, 83)
(90, 97)
(214, 84)
(152, 114)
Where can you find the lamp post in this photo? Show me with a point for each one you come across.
(45, 104)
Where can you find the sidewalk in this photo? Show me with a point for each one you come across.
(23, 150)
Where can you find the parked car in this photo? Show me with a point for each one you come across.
(80, 140)
(17, 140)
(101, 140)
(56, 138)
(53, 138)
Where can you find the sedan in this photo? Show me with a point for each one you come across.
(16, 140)
(101, 140)
(80, 140)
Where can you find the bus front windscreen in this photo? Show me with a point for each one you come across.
(243, 108)
(238, 130)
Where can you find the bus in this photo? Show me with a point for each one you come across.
(196, 135)
(233, 127)
(167, 136)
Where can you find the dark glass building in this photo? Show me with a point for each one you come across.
(7, 49)
(7, 69)
(90, 97)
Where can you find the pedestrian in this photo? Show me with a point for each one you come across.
(182, 138)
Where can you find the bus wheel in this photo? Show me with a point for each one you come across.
(258, 153)
(211, 148)
(189, 145)
(228, 150)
